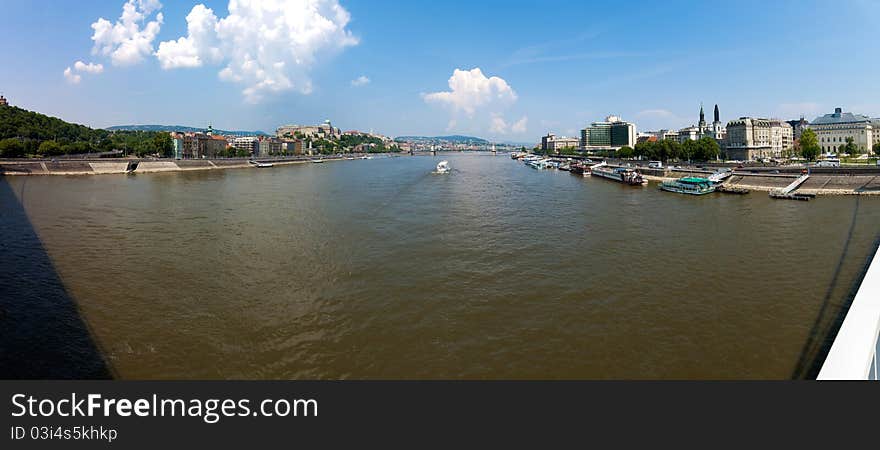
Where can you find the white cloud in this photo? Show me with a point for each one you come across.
(91, 68)
(196, 49)
(71, 77)
(130, 39)
(498, 125)
(471, 90)
(268, 46)
(360, 81)
(521, 126)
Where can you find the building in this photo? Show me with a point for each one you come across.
(250, 144)
(293, 146)
(748, 139)
(270, 147)
(798, 127)
(197, 145)
(323, 131)
(214, 146)
(555, 144)
(3, 101)
(177, 144)
(781, 138)
(696, 132)
(613, 133)
(832, 131)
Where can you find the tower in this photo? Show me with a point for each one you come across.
(702, 124)
(3, 101)
(717, 114)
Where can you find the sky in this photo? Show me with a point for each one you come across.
(507, 70)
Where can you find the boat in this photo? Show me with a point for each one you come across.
(620, 175)
(318, 161)
(443, 168)
(689, 185)
(260, 164)
(579, 169)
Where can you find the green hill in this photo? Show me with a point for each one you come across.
(24, 132)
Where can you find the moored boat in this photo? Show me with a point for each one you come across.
(620, 175)
(689, 185)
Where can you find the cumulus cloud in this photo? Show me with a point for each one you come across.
(498, 125)
(130, 39)
(471, 90)
(71, 77)
(521, 126)
(201, 46)
(91, 68)
(478, 102)
(360, 81)
(268, 46)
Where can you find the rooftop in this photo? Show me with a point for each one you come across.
(838, 116)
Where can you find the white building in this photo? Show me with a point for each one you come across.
(754, 138)
(553, 143)
(832, 130)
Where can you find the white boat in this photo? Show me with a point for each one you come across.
(261, 165)
(443, 168)
(318, 161)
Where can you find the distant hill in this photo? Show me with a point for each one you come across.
(183, 129)
(456, 139)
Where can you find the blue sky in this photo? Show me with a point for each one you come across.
(558, 65)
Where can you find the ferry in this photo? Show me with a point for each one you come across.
(689, 185)
(620, 175)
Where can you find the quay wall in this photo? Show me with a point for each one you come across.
(116, 166)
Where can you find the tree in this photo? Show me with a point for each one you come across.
(809, 145)
(163, 144)
(11, 148)
(877, 148)
(707, 149)
(850, 147)
(625, 152)
(50, 148)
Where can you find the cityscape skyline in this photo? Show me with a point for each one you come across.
(426, 71)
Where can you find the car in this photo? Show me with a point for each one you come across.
(655, 165)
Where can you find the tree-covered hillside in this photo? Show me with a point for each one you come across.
(27, 133)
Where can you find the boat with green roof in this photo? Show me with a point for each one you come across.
(689, 185)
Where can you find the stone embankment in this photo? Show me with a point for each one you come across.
(829, 182)
(105, 167)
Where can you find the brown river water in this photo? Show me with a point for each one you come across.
(379, 269)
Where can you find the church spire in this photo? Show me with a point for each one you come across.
(702, 114)
(717, 114)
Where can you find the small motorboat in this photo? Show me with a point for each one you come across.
(318, 161)
(443, 168)
(261, 165)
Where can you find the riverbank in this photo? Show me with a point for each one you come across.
(110, 167)
(818, 184)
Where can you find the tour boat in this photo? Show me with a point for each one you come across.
(443, 168)
(689, 185)
(620, 175)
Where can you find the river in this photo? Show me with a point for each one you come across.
(378, 269)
